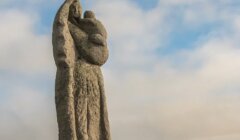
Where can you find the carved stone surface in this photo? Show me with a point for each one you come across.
(80, 48)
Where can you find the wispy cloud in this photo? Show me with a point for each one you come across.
(21, 48)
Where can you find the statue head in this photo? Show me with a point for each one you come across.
(89, 14)
(75, 11)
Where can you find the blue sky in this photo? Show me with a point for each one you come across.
(172, 74)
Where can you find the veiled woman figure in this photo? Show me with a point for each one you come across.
(80, 48)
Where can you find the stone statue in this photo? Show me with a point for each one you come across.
(80, 48)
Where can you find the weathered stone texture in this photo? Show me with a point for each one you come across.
(80, 48)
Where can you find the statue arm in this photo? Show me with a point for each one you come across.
(64, 55)
(63, 45)
(61, 17)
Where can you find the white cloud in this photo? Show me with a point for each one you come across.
(26, 2)
(193, 94)
(180, 103)
(132, 31)
(21, 49)
(27, 114)
(222, 137)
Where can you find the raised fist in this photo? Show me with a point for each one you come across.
(70, 1)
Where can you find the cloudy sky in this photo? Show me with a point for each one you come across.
(173, 71)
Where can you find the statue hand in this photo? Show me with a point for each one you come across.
(70, 1)
(97, 39)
